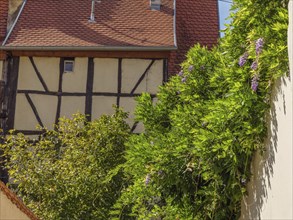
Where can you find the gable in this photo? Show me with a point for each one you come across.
(11, 208)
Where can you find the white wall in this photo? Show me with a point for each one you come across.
(271, 187)
(9, 211)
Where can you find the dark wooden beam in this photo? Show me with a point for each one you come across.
(3, 55)
(12, 79)
(119, 86)
(61, 70)
(39, 75)
(89, 89)
(24, 91)
(165, 71)
(3, 171)
(134, 126)
(142, 76)
(112, 94)
(30, 101)
(29, 132)
(95, 54)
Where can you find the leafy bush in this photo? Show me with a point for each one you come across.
(193, 160)
(63, 175)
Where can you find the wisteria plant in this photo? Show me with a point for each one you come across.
(193, 160)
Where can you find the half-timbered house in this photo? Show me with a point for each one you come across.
(60, 57)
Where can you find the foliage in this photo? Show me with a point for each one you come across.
(193, 160)
(62, 176)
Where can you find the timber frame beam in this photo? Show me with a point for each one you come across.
(3, 55)
(59, 93)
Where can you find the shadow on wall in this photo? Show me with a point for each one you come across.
(263, 162)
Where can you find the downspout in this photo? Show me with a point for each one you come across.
(219, 23)
(14, 23)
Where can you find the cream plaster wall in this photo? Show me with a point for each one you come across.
(71, 105)
(46, 106)
(128, 105)
(132, 69)
(27, 78)
(154, 77)
(105, 75)
(105, 81)
(24, 115)
(49, 69)
(9, 211)
(102, 105)
(1, 69)
(271, 187)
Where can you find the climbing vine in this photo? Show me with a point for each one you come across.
(193, 160)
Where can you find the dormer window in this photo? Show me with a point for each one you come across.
(155, 5)
(68, 65)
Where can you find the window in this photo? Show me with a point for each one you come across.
(68, 65)
(155, 4)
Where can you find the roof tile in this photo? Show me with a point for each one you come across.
(118, 23)
(197, 22)
(3, 18)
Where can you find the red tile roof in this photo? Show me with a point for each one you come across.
(3, 18)
(119, 23)
(196, 22)
(15, 200)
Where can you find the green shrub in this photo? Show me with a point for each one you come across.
(63, 175)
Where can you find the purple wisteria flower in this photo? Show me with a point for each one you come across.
(259, 45)
(254, 83)
(184, 79)
(243, 59)
(180, 73)
(147, 179)
(243, 181)
(254, 65)
(204, 124)
(190, 68)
